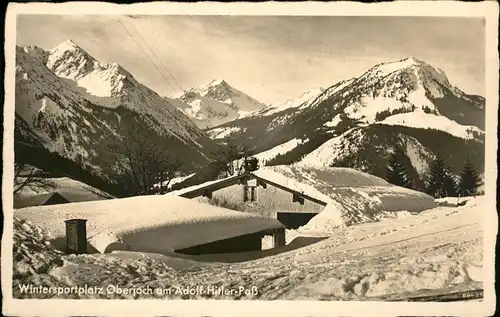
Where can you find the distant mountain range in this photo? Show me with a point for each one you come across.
(69, 103)
(358, 122)
(216, 103)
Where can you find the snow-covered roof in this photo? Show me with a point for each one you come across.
(66, 186)
(36, 200)
(157, 223)
(63, 196)
(350, 196)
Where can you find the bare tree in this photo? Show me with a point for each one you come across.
(28, 176)
(230, 159)
(144, 163)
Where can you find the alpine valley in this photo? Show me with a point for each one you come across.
(71, 107)
(359, 122)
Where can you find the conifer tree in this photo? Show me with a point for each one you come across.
(396, 172)
(469, 180)
(435, 177)
(450, 186)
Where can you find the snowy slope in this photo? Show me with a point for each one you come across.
(423, 120)
(146, 223)
(110, 85)
(368, 149)
(278, 150)
(438, 251)
(413, 103)
(222, 133)
(216, 103)
(175, 180)
(291, 103)
(350, 142)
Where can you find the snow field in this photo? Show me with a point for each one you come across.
(439, 250)
(424, 120)
(278, 150)
(303, 100)
(174, 181)
(221, 133)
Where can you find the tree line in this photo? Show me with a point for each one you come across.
(439, 181)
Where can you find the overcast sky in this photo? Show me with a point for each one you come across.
(270, 58)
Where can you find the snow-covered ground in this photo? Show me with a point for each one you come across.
(174, 181)
(304, 98)
(278, 150)
(439, 250)
(424, 120)
(221, 133)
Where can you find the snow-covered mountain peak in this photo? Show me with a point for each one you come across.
(218, 82)
(387, 68)
(217, 89)
(60, 99)
(216, 103)
(412, 59)
(67, 45)
(68, 60)
(409, 79)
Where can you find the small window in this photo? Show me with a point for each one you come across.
(253, 193)
(249, 193)
(246, 193)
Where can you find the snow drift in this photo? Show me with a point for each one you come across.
(157, 224)
(438, 251)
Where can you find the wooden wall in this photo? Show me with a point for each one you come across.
(269, 201)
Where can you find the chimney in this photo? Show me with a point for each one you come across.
(76, 236)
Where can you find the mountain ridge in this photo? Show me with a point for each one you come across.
(407, 93)
(216, 103)
(54, 108)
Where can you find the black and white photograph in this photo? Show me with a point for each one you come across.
(214, 157)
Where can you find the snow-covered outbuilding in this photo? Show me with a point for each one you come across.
(317, 198)
(54, 198)
(157, 224)
(58, 190)
(40, 200)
